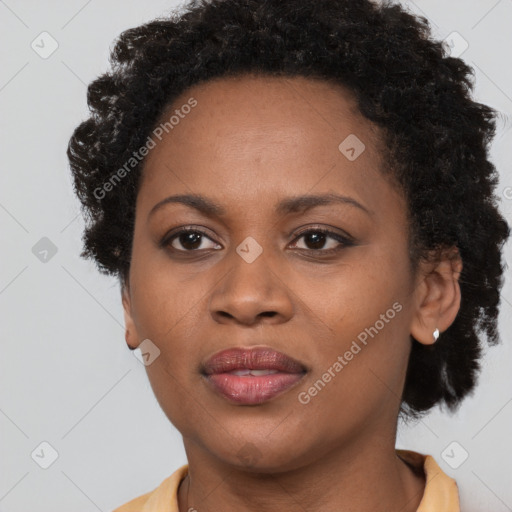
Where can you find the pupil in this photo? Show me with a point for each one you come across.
(190, 238)
(317, 239)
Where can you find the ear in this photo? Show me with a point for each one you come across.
(131, 335)
(437, 295)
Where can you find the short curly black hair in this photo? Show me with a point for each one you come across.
(404, 81)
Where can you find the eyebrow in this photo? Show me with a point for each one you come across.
(286, 206)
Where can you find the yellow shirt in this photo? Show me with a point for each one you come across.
(440, 495)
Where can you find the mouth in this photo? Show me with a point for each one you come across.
(252, 376)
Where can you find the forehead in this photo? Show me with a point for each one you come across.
(258, 107)
(256, 137)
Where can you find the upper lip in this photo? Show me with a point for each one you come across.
(259, 358)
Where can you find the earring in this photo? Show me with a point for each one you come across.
(436, 334)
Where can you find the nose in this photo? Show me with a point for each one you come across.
(251, 293)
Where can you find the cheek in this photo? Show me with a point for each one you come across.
(168, 312)
(164, 297)
(366, 308)
(353, 295)
(170, 317)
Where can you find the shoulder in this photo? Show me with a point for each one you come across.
(162, 499)
(134, 505)
(441, 492)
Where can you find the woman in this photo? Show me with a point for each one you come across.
(297, 199)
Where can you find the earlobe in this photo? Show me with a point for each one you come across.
(131, 336)
(437, 297)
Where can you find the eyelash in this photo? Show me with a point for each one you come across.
(343, 240)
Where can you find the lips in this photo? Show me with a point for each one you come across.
(252, 376)
(251, 359)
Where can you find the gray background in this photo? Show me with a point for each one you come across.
(67, 377)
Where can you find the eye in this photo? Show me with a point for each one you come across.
(190, 239)
(323, 240)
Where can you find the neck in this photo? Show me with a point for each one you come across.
(361, 478)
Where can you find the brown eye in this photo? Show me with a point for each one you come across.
(189, 240)
(315, 240)
(322, 240)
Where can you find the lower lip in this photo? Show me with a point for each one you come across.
(252, 389)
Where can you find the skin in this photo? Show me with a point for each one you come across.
(251, 142)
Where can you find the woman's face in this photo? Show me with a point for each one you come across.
(258, 271)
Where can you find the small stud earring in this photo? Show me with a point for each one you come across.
(436, 334)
